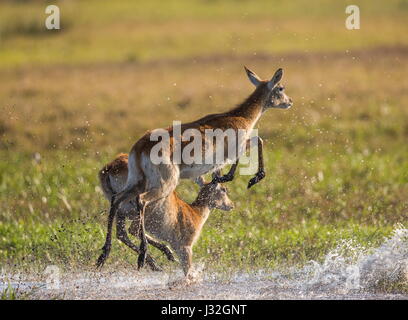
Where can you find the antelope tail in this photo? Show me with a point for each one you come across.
(105, 183)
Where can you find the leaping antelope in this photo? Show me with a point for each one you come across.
(168, 219)
(148, 182)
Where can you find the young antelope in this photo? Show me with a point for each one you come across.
(168, 219)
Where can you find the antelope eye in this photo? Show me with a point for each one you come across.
(281, 89)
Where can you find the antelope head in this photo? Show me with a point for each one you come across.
(214, 195)
(273, 92)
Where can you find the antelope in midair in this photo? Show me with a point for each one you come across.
(148, 182)
(168, 219)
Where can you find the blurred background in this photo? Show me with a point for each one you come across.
(71, 99)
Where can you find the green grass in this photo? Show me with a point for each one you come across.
(58, 216)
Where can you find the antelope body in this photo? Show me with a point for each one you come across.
(168, 219)
(150, 182)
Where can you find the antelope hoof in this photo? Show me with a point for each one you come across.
(169, 255)
(154, 267)
(258, 177)
(102, 258)
(141, 260)
(224, 178)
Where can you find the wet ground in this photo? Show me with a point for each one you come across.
(148, 285)
(347, 272)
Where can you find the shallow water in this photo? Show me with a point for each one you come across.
(348, 272)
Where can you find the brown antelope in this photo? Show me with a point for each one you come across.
(148, 182)
(168, 219)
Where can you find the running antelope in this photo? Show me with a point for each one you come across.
(148, 182)
(168, 219)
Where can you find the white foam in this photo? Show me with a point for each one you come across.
(348, 271)
(350, 268)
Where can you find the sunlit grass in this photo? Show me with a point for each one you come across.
(54, 212)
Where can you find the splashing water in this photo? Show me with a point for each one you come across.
(351, 269)
(388, 263)
(348, 271)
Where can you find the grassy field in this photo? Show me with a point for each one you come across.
(336, 162)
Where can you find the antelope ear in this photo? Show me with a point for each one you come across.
(253, 77)
(200, 181)
(276, 78)
(216, 174)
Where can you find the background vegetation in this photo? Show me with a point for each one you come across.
(71, 99)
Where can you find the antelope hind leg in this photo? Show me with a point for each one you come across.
(108, 242)
(122, 236)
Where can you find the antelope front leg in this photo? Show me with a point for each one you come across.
(226, 177)
(185, 255)
(261, 172)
